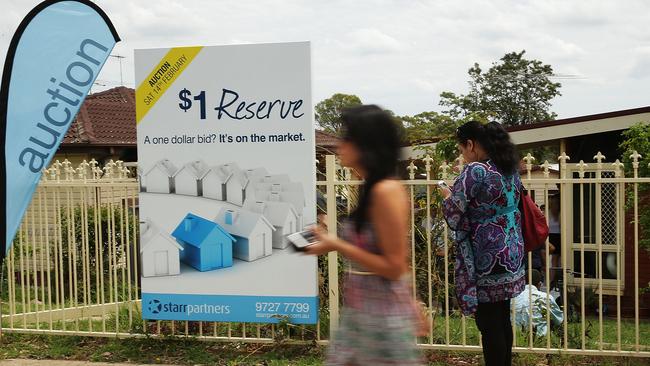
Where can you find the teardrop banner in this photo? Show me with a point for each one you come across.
(53, 60)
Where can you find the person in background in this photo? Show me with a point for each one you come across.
(542, 302)
(554, 237)
(379, 317)
(538, 262)
(481, 209)
(538, 256)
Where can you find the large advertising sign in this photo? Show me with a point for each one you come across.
(226, 161)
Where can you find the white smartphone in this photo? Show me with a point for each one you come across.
(302, 239)
(443, 184)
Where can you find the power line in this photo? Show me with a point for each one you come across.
(560, 76)
(567, 76)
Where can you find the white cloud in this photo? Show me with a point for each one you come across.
(424, 85)
(640, 68)
(368, 41)
(402, 54)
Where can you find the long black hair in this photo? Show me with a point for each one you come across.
(496, 142)
(375, 134)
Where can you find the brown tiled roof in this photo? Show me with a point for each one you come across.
(107, 118)
(326, 140)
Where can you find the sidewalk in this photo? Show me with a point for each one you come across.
(21, 362)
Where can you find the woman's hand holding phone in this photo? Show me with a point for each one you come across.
(444, 188)
(325, 242)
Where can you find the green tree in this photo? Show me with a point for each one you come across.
(548, 153)
(514, 91)
(637, 138)
(427, 125)
(328, 111)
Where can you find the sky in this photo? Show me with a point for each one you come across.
(401, 54)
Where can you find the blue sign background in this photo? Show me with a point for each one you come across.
(228, 308)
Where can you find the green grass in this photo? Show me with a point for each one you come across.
(308, 333)
(29, 294)
(188, 351)
(170, 351)
(574, 331)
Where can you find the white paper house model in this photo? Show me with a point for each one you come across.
(289, 193)
(253, 233)
(237, 185)
(281, 215)
(159, 252)
(256, 175)
(276, 178)
(214, 182)
(187, 179)
(141, 182)
(159, 177)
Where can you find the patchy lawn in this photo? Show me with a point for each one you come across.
(193, 352)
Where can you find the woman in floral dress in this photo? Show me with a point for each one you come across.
(481, 209)
(379, 317)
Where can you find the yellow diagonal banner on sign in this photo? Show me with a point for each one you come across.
(161, 78)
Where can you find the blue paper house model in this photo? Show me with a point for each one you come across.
(206, 245)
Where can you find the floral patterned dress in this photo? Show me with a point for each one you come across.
(378, 316)
(482, 211)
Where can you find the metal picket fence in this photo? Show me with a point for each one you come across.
(73, 267)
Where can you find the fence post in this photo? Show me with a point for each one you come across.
(564, 188)
(332, 257)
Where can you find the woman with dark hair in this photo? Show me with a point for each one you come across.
(379, 316)
(481, 208)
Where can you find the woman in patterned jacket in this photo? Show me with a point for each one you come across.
(481, 209)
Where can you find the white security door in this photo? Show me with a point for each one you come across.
(595, 219)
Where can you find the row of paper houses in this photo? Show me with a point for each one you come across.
(267, 209)
(226, 182)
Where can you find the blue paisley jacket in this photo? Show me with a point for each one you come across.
(483, 213)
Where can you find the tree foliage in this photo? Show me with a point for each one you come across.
(514, 91)
(541, 154)
(637, 138)
(328, 111)
(441, 128)
(427, 125)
